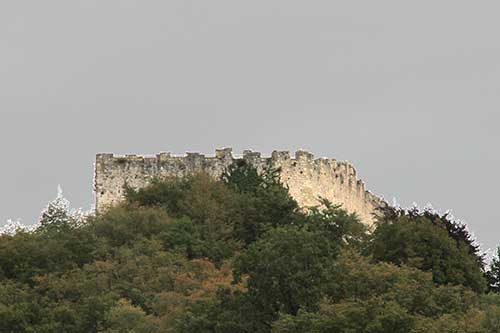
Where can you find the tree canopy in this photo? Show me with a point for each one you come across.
(237, 254)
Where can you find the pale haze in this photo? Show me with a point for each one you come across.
(409, 92)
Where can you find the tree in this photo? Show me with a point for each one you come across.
(12, 227)
(493, 273)
(337, 225)
(424, 242)
(125, 225)
(197, 255)
(57, 215)
(263, 202)
(244, 177)
(382, 297)
(125, 318)
(205, 205)
(286, 271)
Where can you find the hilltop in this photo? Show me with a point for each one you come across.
(196, 254)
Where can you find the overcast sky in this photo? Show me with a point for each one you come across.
(407, 91)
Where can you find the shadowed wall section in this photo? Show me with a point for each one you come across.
(307, 178)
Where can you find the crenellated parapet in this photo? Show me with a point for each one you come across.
(307, 178)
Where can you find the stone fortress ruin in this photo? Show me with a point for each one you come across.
(307, 178)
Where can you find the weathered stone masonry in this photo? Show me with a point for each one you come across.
(307, 178)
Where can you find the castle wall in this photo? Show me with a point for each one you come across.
(307, 178)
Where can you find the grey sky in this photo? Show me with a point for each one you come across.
(407, 91)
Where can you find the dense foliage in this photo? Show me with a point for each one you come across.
(431, 243)
(197, 255)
